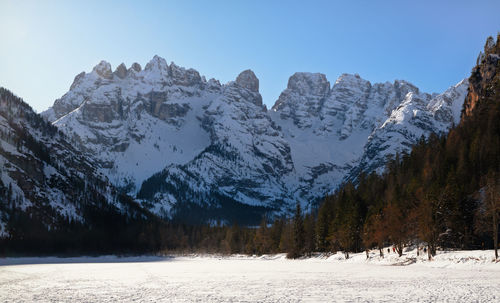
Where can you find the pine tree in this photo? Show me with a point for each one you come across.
(322, 226)
(298, 234)
(262, 241)
(309, 234)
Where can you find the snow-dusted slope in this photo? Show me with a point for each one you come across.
(244, 162)
(418, 115)
(173, 138)
(43, 177)
(126, 121)
(336, 133)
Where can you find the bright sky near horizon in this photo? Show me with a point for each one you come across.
(433, 44)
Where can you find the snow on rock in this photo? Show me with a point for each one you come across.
(418, 115)
(336, 133)
(121, 71)
(303, 98)
(103, 69)
(169, 136)
(448, 105)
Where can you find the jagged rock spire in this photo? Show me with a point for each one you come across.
(121, 71)
(103, 69)
(248, 80)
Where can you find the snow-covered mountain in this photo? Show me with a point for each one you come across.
(186, 146)
(45, 183)
(418, 115)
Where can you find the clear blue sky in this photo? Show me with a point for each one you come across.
(433, 44)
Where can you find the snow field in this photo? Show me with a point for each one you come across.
(453, 277)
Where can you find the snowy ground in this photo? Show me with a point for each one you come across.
(468, 276)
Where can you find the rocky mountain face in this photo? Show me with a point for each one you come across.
(46, 183)
(418, 115)
(483, 74)
(194, 149)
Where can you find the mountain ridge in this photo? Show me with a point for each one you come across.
(135, 123)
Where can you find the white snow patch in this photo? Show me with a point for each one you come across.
(3, 229)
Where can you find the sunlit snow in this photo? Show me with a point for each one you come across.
(451, 277)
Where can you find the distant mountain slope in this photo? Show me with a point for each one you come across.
(180, 142)
(418, 115)
(48, 186)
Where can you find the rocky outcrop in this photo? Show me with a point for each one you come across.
(136, 67)
(103, 69)
(484, 72)
(184, 77)
(303, 98)
(248, 80)
(121, 71)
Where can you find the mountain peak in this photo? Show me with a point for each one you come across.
(185, 77)
(248, 80)
(482, 75)
(136, 67)
(157, 63)
(309, 83)
(403, 83)
(103, 69)
(490, 44)
(354, 79)
(121, 71)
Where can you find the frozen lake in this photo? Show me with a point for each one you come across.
(246, 279)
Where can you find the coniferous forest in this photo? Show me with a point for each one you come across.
(444, 194)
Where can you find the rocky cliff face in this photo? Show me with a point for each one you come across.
(172, 138)
(483, 73)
